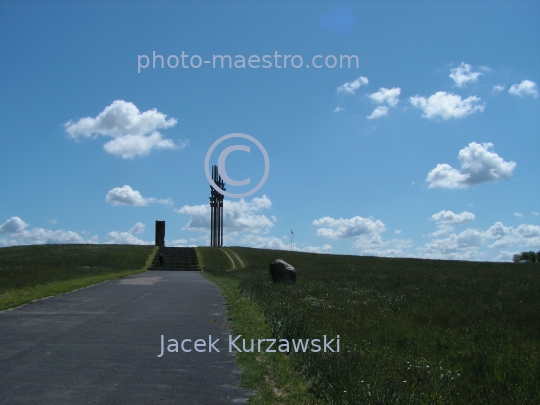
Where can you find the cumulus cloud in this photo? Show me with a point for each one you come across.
(338, 109)
(504, 256)
(447, 105)
(525, 88)
(531, 233)
(467, 244)
(177, 243)
(498, 88)
(118, 119)
(518, 214)
(384, 96)
(525, 235)
(375, 245)
(448, 217)
(127, 196)
(129, 146)
(125, 238)
(17, 234)
(478, 165)
(347, 228)
(263, 242)
(463, 74)
(351, 87)
(462, 246)
(238, 216)
(135, 133)
(365, 233)
(388, 96)
(446, 220)
(378, 112)
(318, 249)
(504, 236)
(137, 228)
(13, 225)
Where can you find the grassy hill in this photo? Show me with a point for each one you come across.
(412, 331)
(32, 272)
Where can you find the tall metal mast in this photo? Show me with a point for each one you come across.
(216, 210)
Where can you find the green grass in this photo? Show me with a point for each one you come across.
(32, 272)
(412, 331)
(272, 376)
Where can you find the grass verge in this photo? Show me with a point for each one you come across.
(28, 273)
(270, 375)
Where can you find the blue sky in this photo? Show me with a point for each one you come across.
(427, 147)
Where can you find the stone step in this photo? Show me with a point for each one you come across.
(176, 259)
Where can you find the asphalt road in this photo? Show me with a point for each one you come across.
(100, 345)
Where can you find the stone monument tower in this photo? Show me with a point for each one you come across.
(160, 233)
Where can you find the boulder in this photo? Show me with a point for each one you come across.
(282, 272)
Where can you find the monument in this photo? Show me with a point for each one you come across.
(216, 210)
(160, 233)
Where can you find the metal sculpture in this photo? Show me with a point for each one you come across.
(216, 210)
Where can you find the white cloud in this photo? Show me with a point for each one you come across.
(518, 214)
(137, 228)
(338, 109)
(119, 119)
(347, 228)
(130, 146)
(127, 196)
(525, 88)
(446, 220)
(238, 216)
(497, 231)
(135, 133)
(125, 238)
(467, 245)
(378, 112)
(463, 246)
(446, 105)
(375, 245)
(177, 243)
(525, 235)
(17, 233)
(463, 75)
(498, 88)
(52, 221)
(534, 213)
(528, 231)
(442, 230)
(478, 165)
(13, 225)
(397, 231)
(388, 96)
(505, 236)
(351, 87)
(445, 176)
(318, 249)
(448, 217)
(264, 242)
(504, 256)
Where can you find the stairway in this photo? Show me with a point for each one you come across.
(176, 259)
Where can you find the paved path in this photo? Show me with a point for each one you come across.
(100, 345)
